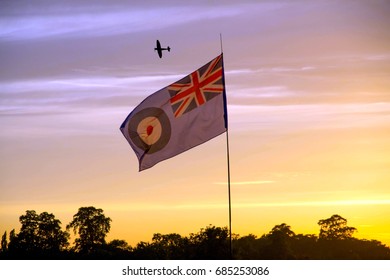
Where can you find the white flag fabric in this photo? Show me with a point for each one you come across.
(179, 117)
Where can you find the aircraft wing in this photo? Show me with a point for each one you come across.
(158, 48)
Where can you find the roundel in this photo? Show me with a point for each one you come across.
(150, 129)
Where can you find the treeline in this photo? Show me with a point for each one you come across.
(41, 237)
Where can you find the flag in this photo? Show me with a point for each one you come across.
(179, 117)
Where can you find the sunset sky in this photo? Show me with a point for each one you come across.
(308, 88)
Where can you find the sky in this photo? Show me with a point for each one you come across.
(308, 93)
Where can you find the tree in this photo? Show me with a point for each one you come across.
(12, 240)
(119, 244)
(40, 235)
(92, 227)
(170, 246)
(305, 246)
(335, 228)
(28, 238)
(281, 237)
(281, 231)
(211, 243)
(247, 247)
(117, 249)
(52, 238)
(4, 243)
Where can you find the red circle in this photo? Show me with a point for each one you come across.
(149, 130)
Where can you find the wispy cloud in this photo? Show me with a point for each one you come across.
(318, 203)
(246, 183)
(84, 83)
(300, 117)
(271, 70)
(262, 92)
(40, 95)
(111, 20)
(149, 207)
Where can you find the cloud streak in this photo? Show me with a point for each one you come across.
(103, 22)
(247, 183)
(200, 206)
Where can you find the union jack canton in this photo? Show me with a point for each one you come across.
(197, 88)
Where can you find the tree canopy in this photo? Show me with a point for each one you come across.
(39, 234)
(92, 226)
(335, 228)
(41, 237)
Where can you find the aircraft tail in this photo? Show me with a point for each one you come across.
(168, 48)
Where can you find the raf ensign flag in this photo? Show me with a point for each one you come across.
(179, 117)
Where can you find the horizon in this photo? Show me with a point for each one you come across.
(134, 243)
(308, 101)
(258, 234)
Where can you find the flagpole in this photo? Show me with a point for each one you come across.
(228, 163)
(220, 40)
(230, 200)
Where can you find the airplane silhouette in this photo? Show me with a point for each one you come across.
(159, 49)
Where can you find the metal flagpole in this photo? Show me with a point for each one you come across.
(228, 165)
(230, 200)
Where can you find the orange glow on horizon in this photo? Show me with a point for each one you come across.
(308, 94)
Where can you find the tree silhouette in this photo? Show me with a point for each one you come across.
(4, 242)
(170, 246)
(281, 238)
(305, 246)
(13, 244)
(335, 228)
(52, 238)
(164, 247)
(281, 231)
(92, 227)
(211, 243)
(28, 236)
(248, 247)
(119, 244)
(40, 236)
(118, 249)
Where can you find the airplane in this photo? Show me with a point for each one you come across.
(159, 49)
